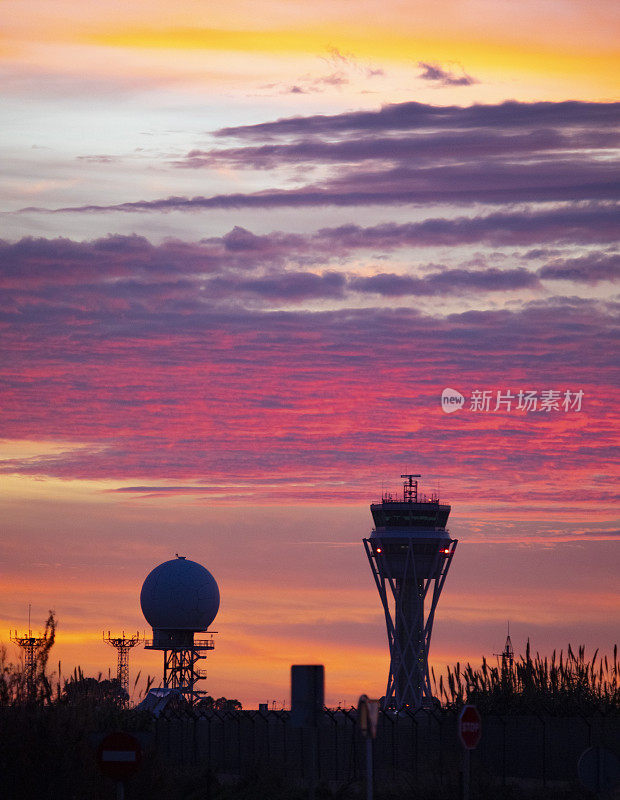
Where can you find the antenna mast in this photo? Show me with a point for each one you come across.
(123, 645)
(508, 654)
(410, 493)
(30, 645)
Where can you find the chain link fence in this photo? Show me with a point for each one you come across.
(534, 747)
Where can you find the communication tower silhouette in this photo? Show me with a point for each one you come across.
(29, 644)
(123, 644)
(410, 552)
(508, 654)
(180, 598)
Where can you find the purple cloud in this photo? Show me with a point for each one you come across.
(455, 184)
(414, 154)
(574, 224)
(436, 73)
(427, 148)
(134, 260)
(289, 286)
(418, 116)
(447, 282)
(593, 268)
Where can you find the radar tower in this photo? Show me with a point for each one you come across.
(180, 598)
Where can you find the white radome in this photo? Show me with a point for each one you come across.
(180, 595)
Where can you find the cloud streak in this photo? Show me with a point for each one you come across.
(412, 154)
(437, 74)
(413, 116)
(449, 185)
(60, 262)
(424, 148)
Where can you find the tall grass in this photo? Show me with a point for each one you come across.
(565, 683)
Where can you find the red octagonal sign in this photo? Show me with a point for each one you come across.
(470, 727)
(119, 755)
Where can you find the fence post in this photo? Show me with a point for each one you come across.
(440, 723)
(334, 748)
(237, 716)
(314, 758)
(416, 753)
(284, 718)
(369, 769)
(251, 718)
(209, 752)
(392, 723)
(544, 746)
(503, 721)
(351, 725)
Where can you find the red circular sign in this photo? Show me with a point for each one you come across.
(119, 755)
(469, 727)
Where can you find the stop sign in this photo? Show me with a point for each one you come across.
(469, 727)
(119, 755)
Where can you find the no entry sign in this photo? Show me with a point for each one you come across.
(119, 755)
(469, 727)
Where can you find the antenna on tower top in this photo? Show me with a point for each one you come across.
(410, 488)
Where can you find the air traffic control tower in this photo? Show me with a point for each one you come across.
(409, 552)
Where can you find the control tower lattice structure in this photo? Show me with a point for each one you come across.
(410, 552)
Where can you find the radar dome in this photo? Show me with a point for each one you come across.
(180, 595)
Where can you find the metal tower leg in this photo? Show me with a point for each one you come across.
(408, 632)
(180, 672)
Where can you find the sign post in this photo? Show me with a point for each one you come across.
(469, 728)
(368, 717)
(119, 755)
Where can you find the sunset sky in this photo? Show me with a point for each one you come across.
(244, 248)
